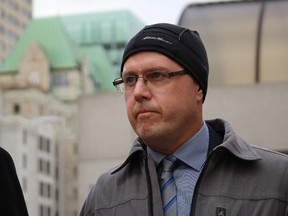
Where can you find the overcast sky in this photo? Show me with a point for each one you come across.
(149, 11)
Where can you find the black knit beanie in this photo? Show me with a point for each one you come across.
(182, 45)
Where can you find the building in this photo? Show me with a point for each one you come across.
(54, 63)
(109, 30)
(33, 129)
(33, 148)
(250, 48)
(14, 17)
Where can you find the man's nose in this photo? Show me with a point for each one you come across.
(141, 90)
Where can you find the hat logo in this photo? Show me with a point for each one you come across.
(156, 38)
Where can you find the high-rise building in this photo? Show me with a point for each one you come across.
(33, 152)
(14, 17)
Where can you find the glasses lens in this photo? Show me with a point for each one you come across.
(120, 87)
(155, 78)
(129, 80)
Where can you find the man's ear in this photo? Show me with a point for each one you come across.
(200, 94)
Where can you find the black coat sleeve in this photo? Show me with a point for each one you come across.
(12, 201)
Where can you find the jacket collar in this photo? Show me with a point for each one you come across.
(226, 138)
(138, 148)
(232, 142)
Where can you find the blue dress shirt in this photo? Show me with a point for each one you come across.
(192, 156)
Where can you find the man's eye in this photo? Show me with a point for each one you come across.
(129, 80)
(155, 76)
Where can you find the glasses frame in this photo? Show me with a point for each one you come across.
(118, 81)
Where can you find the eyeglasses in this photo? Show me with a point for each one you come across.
(155, 78)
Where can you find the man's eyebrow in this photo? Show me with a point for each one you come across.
(156, 68)
(146, 70)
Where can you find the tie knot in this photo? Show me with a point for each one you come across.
(169, 163)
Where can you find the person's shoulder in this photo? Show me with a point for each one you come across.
(4, 154)
(107, 178)
(104, 177)
(102, 193)
(271, 155)
(5, 158)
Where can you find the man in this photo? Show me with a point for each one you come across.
(12, 202)
(180, 164)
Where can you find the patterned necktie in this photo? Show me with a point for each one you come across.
(168, 186)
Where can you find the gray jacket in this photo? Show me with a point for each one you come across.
(237, 180)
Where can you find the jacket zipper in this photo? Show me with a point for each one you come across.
(149, 187)
(195, 195)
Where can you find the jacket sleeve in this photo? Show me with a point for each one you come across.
(12, 201)
(86, 209)
(95, 197)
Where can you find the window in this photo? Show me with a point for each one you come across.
(16, 108)
(12, 5)
(2, 30)
(12, 36)
(75, 193)
(41, 110)
(41, 209)
(24, 137)
(59, 80)
(48, 188)
(75, 171)
(48, 145)
(33, 78)
(25, 13)
(2, 13)
(75, 146)
(40, 143)
(41, 189)
(24, 184)
(47, 167)
(44, 166)
(45, 210)
(44, 144)
(45, 190)
(57, 195)
(40, 165)
(57, 173)
(24, 161)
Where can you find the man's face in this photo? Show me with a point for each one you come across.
(164, 116)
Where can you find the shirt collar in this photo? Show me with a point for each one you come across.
(193, 152)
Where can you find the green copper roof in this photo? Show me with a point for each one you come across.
(98, 37)
(99, 67)
(102, 27)
(51, 36)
